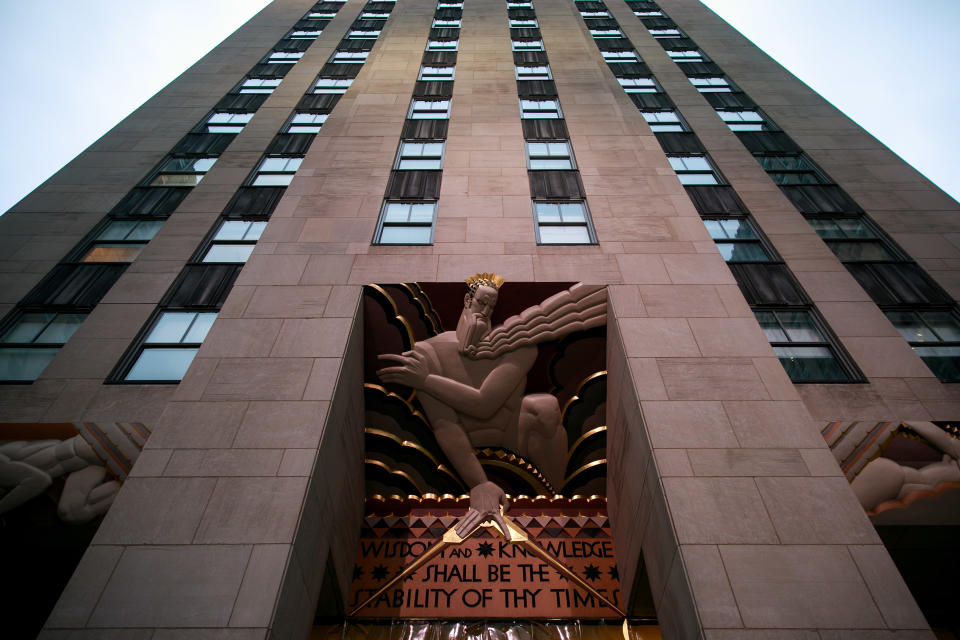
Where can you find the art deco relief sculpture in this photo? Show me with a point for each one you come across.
(471, 384)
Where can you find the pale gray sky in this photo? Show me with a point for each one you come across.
(75, 69)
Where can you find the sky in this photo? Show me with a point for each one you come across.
(889, 65)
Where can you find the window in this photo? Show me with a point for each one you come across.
(736, 240)
(526, 45)
(525, 23)
(746, 120)
(437, 73)
(374, 15)
(121, 240)
(283, 57)
(29, 344)
(852, 240)
(800, 345)
(170, 346)
(304, 34)
(276, 171)
(363, 34)
(442, 45)
(693, 169)
(663, 121)
(321, 15)
(594, 14)
(449, 5)
(234, 241)
(648, 14)
(562, 223)
(665, 33)
(639, 85)
(539, 109)
(259, 85)
(549, 155)
(441, 23)
(686, 55)
(620, 56)
(935, 336)
(540, 72)
(349, 57)
(420, 156)
(791, 170)
(332, 85)
(711, 85)
(306, 122)
(606, 33)
(222, 122)
(406, 223)
(429, 110)
(516, 5)
(182, 172)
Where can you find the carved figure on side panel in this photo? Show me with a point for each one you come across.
(471, 384)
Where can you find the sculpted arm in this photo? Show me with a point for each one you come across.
(937, 437)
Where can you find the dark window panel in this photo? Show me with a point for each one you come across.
(331, 70)
(897, 283)
(369, 25)
(425, 129)
(150, 201)
(819, 198)
(601, 23)
(365, 44)
(651, 100)
(613, 44)
(764, 284)
(673, 44)
(250, 201)
(417, 185)
(660, 22)
(679, 143)
(437, 58)
(294, 144)
(767, 142)
(529, 58)
(241, 102)
(270, 70)
(75, 285)
(629, 69)
(292, 46)
(433, 89)
(521, 14)
(207, 144)
(319, 101)
(202, 285)
(525, 34)
(448, 14)
(310, 25)
(715, 199)
(591, 6)
(444, 34)
(735, 100)
(701, 69)
(529, 88)
(544, 129)
(555, 185)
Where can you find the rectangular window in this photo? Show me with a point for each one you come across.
(332, 85)
(639, 85)
(663, 121)
(437, 73)
(665, 33)
(446, 23)
(693, 169)
(420, 156)
(121, 240)
(449, 5)
(620, 56)
(276, 171)
(234, 241)
(304, 34)
(442, 45)
(711, 85)
(648, 14)
(935, 336)
(550, 155)
(283, 57)
(523, 23)
(516, 5)
(744, 120)
(406, 223)
(736, 240)
(526, 45)
(374, 15)
(260, 85)
(222, 122)
(349, 57)
(306, 122)
(429, 110)
(540, 109)
(539, 72)
(29, 344)
(686, 55)
(562, 223)
(321, 15)
(363, 34)
(170, 346)
(801, 347)
(182, 172)
(791, 170)
(605, 33)
(852, 240)
(594, 14)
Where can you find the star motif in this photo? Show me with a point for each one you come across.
(379, 572)
(614, 572)
(485, 550)
(591, 572)
(357, 572)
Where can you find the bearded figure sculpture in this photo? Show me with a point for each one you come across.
(471, 384)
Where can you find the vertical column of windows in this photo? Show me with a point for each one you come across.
(560, 211)
(409, 212)
(44, 320)
(921, 310)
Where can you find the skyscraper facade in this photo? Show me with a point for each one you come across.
(738, 424)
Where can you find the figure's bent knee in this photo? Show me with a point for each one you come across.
(540, 412)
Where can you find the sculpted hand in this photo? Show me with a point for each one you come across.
(485, 501)
(412, 372)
